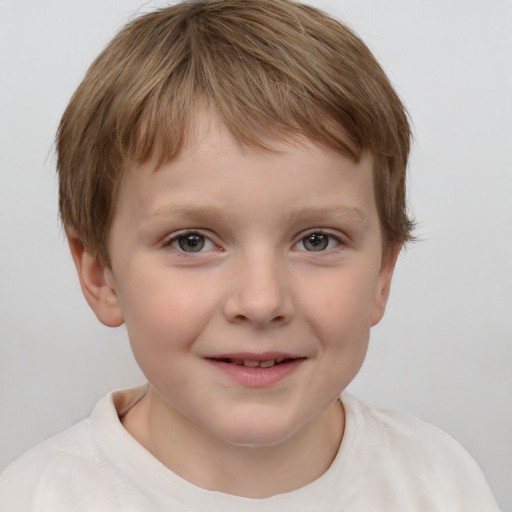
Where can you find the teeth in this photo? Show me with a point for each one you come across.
(251, 363)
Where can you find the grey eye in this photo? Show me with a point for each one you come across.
(316, 242)
(191, 243)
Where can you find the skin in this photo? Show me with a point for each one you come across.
(254, 288)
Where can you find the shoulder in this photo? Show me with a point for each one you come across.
(405, 439)
(400, 432)
(54, 473)
(405, 453)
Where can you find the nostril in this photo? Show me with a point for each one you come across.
(279, 319)
(240, 318)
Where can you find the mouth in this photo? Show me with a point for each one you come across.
(257, 370)
(255, 363)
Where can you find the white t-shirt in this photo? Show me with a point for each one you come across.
(387, 461)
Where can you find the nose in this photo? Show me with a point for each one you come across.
(259, 293)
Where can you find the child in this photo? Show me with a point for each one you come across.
(232, 185)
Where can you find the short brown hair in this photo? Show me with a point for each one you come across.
(270, 69)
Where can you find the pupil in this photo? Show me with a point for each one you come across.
(191, 243)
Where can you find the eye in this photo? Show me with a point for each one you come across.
(317, 241)
(191, 242)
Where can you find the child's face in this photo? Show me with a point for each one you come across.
(227, 257)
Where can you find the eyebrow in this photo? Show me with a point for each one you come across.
(202, 211)
(319, 214)
(197, 210)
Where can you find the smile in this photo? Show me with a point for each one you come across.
(253, 363)
(256, 371)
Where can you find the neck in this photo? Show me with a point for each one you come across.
(248, 471)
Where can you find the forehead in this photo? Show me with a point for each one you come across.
(206, 134)
(216, 170)
(169, 140)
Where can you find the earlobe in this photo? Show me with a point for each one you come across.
(98, 290)
(383, 286)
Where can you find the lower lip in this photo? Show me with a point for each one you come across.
(257, 377)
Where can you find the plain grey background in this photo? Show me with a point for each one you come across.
(443, 352)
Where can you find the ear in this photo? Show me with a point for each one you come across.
(96, 282)
(383, 286)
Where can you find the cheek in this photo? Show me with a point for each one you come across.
(164, 313)
(340, 307)
(339, 314)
